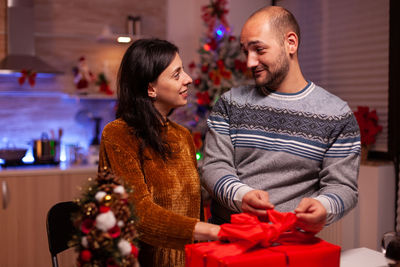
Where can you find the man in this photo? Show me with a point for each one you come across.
(285, 143)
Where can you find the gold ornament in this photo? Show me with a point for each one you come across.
(90, 209)
(107, 200)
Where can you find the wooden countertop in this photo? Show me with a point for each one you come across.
(48, 170)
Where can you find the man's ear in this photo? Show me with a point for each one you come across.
(292, 42)
(151, 91)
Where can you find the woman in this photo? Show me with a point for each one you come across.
(154, 155)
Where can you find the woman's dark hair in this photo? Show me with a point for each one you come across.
(142, 63)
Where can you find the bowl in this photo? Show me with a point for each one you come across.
(12, 154)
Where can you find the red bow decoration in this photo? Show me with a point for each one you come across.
(246, 231)
(27, 74)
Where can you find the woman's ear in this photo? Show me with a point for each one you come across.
(151, 91)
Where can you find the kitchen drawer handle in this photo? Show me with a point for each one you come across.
(6, 197)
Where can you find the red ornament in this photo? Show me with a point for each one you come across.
(213, 44)
(86, 255)
(134, 251)
(207, 47)
(104, 209)
(115, 231)
(220, 64)
(197, 82)
(204, 68)
(203, 98)
(87, 225)
(192, 66)
(240, 65)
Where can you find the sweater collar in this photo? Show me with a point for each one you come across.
(293, 96)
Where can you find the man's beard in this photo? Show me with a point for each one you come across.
(275, 77)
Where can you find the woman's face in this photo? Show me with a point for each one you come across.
(170, 90)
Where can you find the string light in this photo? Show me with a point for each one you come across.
(199, 156)
(220, 31)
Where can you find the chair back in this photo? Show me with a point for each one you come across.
(60, 227)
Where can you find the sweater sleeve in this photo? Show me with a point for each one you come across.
(338, 176)
(156, 225)
(219, 175)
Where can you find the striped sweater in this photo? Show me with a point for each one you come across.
(293, 146)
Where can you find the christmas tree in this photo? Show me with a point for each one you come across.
(221, 66)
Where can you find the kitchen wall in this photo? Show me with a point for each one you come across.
(65, 30)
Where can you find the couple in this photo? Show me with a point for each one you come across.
(285, 143)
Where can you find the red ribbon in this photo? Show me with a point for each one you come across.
(246, 231)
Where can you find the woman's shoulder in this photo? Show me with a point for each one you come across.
(179, 128)
(117, 129)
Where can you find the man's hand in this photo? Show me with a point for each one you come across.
(311, 215)
(256, 202)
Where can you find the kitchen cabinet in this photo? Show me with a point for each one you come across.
(23, 219)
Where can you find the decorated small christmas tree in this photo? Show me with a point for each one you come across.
(221, 67)
(105, 232)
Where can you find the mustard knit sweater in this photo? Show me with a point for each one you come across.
(166, 194)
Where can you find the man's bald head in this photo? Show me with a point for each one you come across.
(280, 20)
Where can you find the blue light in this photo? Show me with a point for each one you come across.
(220, 31)
(18, 74)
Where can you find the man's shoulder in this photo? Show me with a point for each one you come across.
(329, 101)
(238, 95)
(239, 92)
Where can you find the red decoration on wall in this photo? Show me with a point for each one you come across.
(368, 123)
(27, 75)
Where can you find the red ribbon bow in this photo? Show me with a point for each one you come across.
(246, 231)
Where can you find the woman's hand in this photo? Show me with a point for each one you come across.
(206, 231)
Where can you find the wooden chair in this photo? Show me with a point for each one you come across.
(60, 228)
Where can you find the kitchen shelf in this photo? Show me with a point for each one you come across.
(44, 94)
(93, 97)
(33, 94)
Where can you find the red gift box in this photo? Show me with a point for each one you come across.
(278, 244)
